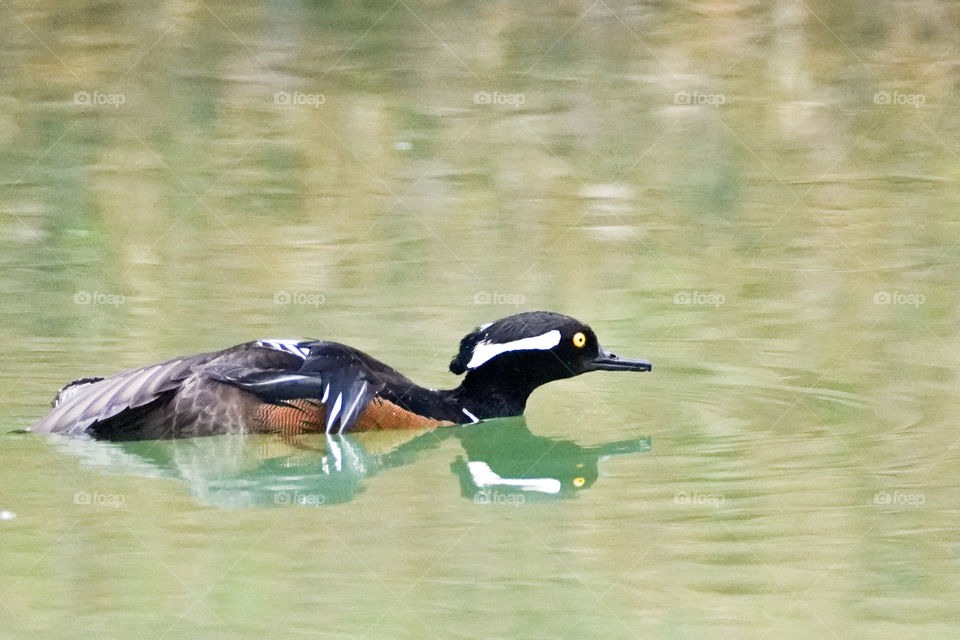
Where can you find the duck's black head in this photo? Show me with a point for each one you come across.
(511, 357)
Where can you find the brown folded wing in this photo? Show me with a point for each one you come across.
(107, 407)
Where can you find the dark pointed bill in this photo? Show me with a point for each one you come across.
(607, 361)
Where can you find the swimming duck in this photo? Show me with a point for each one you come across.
(302, 386)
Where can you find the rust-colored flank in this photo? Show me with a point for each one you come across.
(309, 416)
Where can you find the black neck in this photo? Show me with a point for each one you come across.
(484, 396)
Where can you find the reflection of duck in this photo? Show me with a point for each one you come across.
(508, 461)
(503, 459)
(292, 387)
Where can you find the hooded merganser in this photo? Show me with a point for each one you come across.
(298, 386)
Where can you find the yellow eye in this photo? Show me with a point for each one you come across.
(578, 482)
(579, 339)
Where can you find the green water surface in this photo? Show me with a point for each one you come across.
(761, 198)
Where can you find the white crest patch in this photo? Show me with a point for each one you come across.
(486, 350)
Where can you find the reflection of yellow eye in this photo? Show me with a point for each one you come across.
(579, 339)
(578, 482)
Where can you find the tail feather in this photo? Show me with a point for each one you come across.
(88, 401)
